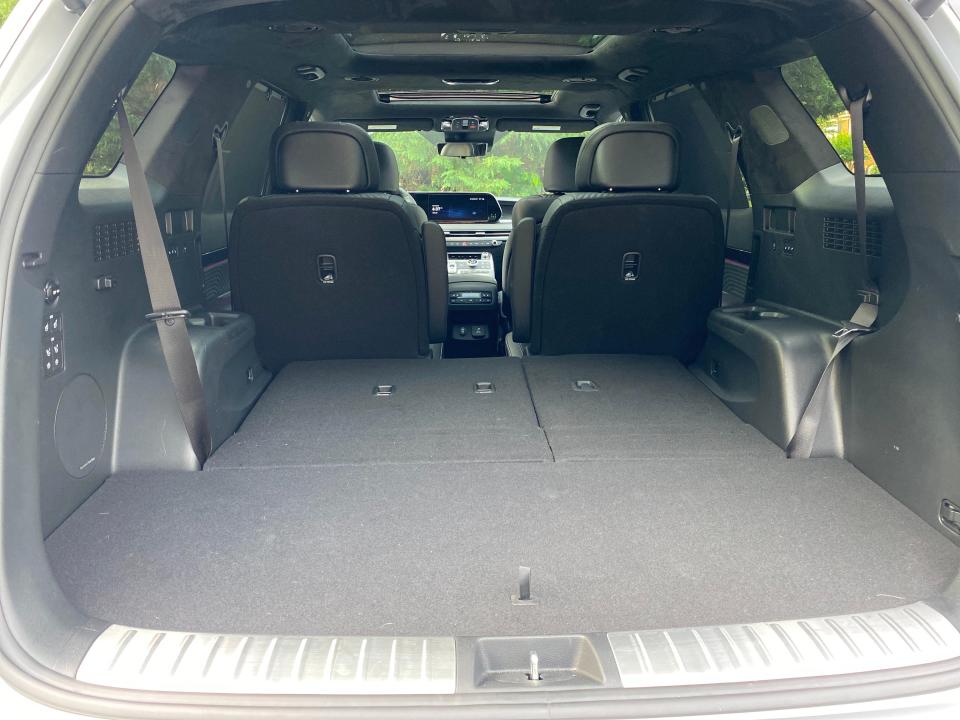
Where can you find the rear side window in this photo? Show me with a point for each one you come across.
(813, 88)
(143, 94)
(246, 150)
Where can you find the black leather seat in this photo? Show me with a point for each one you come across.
(623, 265)
(329, 266)
(390, 178)
(559, 171)
(559, 177)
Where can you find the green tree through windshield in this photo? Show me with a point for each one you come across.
(511, 169)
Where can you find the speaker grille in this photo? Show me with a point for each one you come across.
(840, 234)
(115, 240)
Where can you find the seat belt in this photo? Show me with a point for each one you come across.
(733, 170)
(169, 317)
(802, 443)
(218, 133)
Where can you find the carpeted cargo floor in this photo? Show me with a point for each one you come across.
(639, 501)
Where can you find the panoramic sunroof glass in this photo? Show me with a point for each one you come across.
(587, 42)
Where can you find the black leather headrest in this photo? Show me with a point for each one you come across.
(560, 166)
(324, 157)
(389, 170)
(629, 156)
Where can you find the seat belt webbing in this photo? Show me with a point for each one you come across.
(218, 132)
(733, 173)
(802, 443)
(167, 314)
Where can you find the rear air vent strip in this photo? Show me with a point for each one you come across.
(462, 82)
(476, 95)
(840, 234)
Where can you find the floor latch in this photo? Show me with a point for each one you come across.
(523, 596)
(534, 674)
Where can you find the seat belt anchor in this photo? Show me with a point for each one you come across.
(734, 133)
(851, 329)
(169, 317)
(847, 99)
(220, 131)
(869, 296)
(118, 100)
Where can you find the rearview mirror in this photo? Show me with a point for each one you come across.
(462, 149)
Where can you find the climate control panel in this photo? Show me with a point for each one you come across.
(471, 297)
(470, 263)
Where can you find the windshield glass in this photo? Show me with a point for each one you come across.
(511, 169)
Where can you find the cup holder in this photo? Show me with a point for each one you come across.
(755, 313)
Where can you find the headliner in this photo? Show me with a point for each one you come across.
(269, 40)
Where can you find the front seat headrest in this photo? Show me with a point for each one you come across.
(324, 157)
(560, 165)
(389, 169)
(629, 156)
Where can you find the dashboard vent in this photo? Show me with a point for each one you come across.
(476, 238)
(477, 233)
(115, 240)
(840, 234)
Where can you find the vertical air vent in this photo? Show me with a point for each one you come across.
(840, 234)
(115, 240)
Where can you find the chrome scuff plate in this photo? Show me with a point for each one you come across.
(207, 662)
(900, 637)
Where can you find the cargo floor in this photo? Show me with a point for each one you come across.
(638, 500)
(434, 549)
(628, 407)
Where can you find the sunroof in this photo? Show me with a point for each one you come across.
(457, 42)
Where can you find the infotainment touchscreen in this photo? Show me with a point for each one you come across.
(458, 208)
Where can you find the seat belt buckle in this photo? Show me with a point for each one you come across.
(734, 133)
(168, 317)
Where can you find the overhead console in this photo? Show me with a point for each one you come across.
(472, 123)
(459, 207)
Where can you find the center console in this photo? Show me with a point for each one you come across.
(472, 304)
(476, 237)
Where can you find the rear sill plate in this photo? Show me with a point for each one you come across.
(900, 637)
(141, 659)
(206, 662)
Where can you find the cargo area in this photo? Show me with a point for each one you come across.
(400, 498)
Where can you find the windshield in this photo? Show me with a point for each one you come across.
(512, 167)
